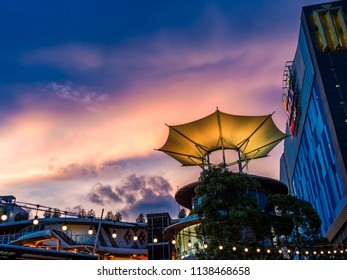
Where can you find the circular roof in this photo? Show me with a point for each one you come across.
(272, 186)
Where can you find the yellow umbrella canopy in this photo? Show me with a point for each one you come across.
(251, 136)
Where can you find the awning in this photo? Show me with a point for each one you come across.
(252, 136)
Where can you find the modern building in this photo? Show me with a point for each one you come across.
(314, 161)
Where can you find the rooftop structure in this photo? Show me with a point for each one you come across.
(251, 137)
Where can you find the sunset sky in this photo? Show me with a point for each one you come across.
(86, 88)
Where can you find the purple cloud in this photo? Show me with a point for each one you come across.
(136, 194)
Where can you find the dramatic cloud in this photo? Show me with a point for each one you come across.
(85, 99)
(101, 194)
(136, 194)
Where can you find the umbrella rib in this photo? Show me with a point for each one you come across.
(179, 154)
(247, 139)
(185, 136)
(268, 144)
(221, 135)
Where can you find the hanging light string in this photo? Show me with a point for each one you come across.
(308, 250)
(275, 253)
(42, 208)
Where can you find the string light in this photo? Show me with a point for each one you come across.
(114, 234)
(36, 218)
(90, 230)
(155, 240)
(64, 227)
(4, 216)
(272, 250)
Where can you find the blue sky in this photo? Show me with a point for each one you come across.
(86, 88)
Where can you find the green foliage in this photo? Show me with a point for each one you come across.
(118, 217)
(233, 218)
(82, 213)
(182, 213)
(230, 213)
(294, 218)
(48, 213)
(140, 218)
(109, 216)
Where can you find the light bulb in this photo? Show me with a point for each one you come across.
(36, 220)
(189, 243)
(64, 227)
(114, 234)
(90, 231)
(135, 237)
(4, 217)
(155, 240)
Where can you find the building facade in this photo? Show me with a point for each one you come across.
(66, 236)
(314, 160)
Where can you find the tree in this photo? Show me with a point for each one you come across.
(91, 213)
(48, 213)
(109, 216)
(182, 213)
(82, 213)
(56, 213)
(233, 219)
(231, 216)
(140, 218)
(118, 217)
(293, 220)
